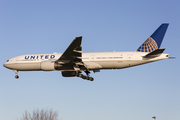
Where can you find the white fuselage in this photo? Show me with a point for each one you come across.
(93, 61)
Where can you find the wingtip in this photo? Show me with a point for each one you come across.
(79, 38)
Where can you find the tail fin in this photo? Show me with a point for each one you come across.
(155, 40)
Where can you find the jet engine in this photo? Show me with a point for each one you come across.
(47, 65)
(68, 73)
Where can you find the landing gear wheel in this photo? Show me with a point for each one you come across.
(80, 75)
(77, 74)
(91, 79)
(16, 76)
(83, 77)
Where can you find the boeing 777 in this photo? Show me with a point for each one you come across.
(73, 61)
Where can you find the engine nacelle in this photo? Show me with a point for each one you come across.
(47, 65)
(68, 73)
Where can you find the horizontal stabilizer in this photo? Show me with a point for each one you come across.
(155, 53)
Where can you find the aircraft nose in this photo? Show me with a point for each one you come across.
(5, 64)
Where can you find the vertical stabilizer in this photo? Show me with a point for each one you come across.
(155, 40)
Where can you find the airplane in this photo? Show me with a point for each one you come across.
(73, 61)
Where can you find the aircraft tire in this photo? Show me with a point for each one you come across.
(83, 77)
(16, 76)
(76, 74)
(91, 79)
(80, 75)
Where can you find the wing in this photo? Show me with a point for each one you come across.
(71, 59)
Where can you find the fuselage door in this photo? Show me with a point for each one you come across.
(129, 56)
(92, 58)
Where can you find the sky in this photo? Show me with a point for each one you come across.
(43, 26)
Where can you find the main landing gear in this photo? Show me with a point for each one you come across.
(83, 76)
(16, 72)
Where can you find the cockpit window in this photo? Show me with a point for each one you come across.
(7, 61)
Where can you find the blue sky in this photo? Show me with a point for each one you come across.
(137, 93)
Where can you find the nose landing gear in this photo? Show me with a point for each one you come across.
(16, 72)
(16, 76)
